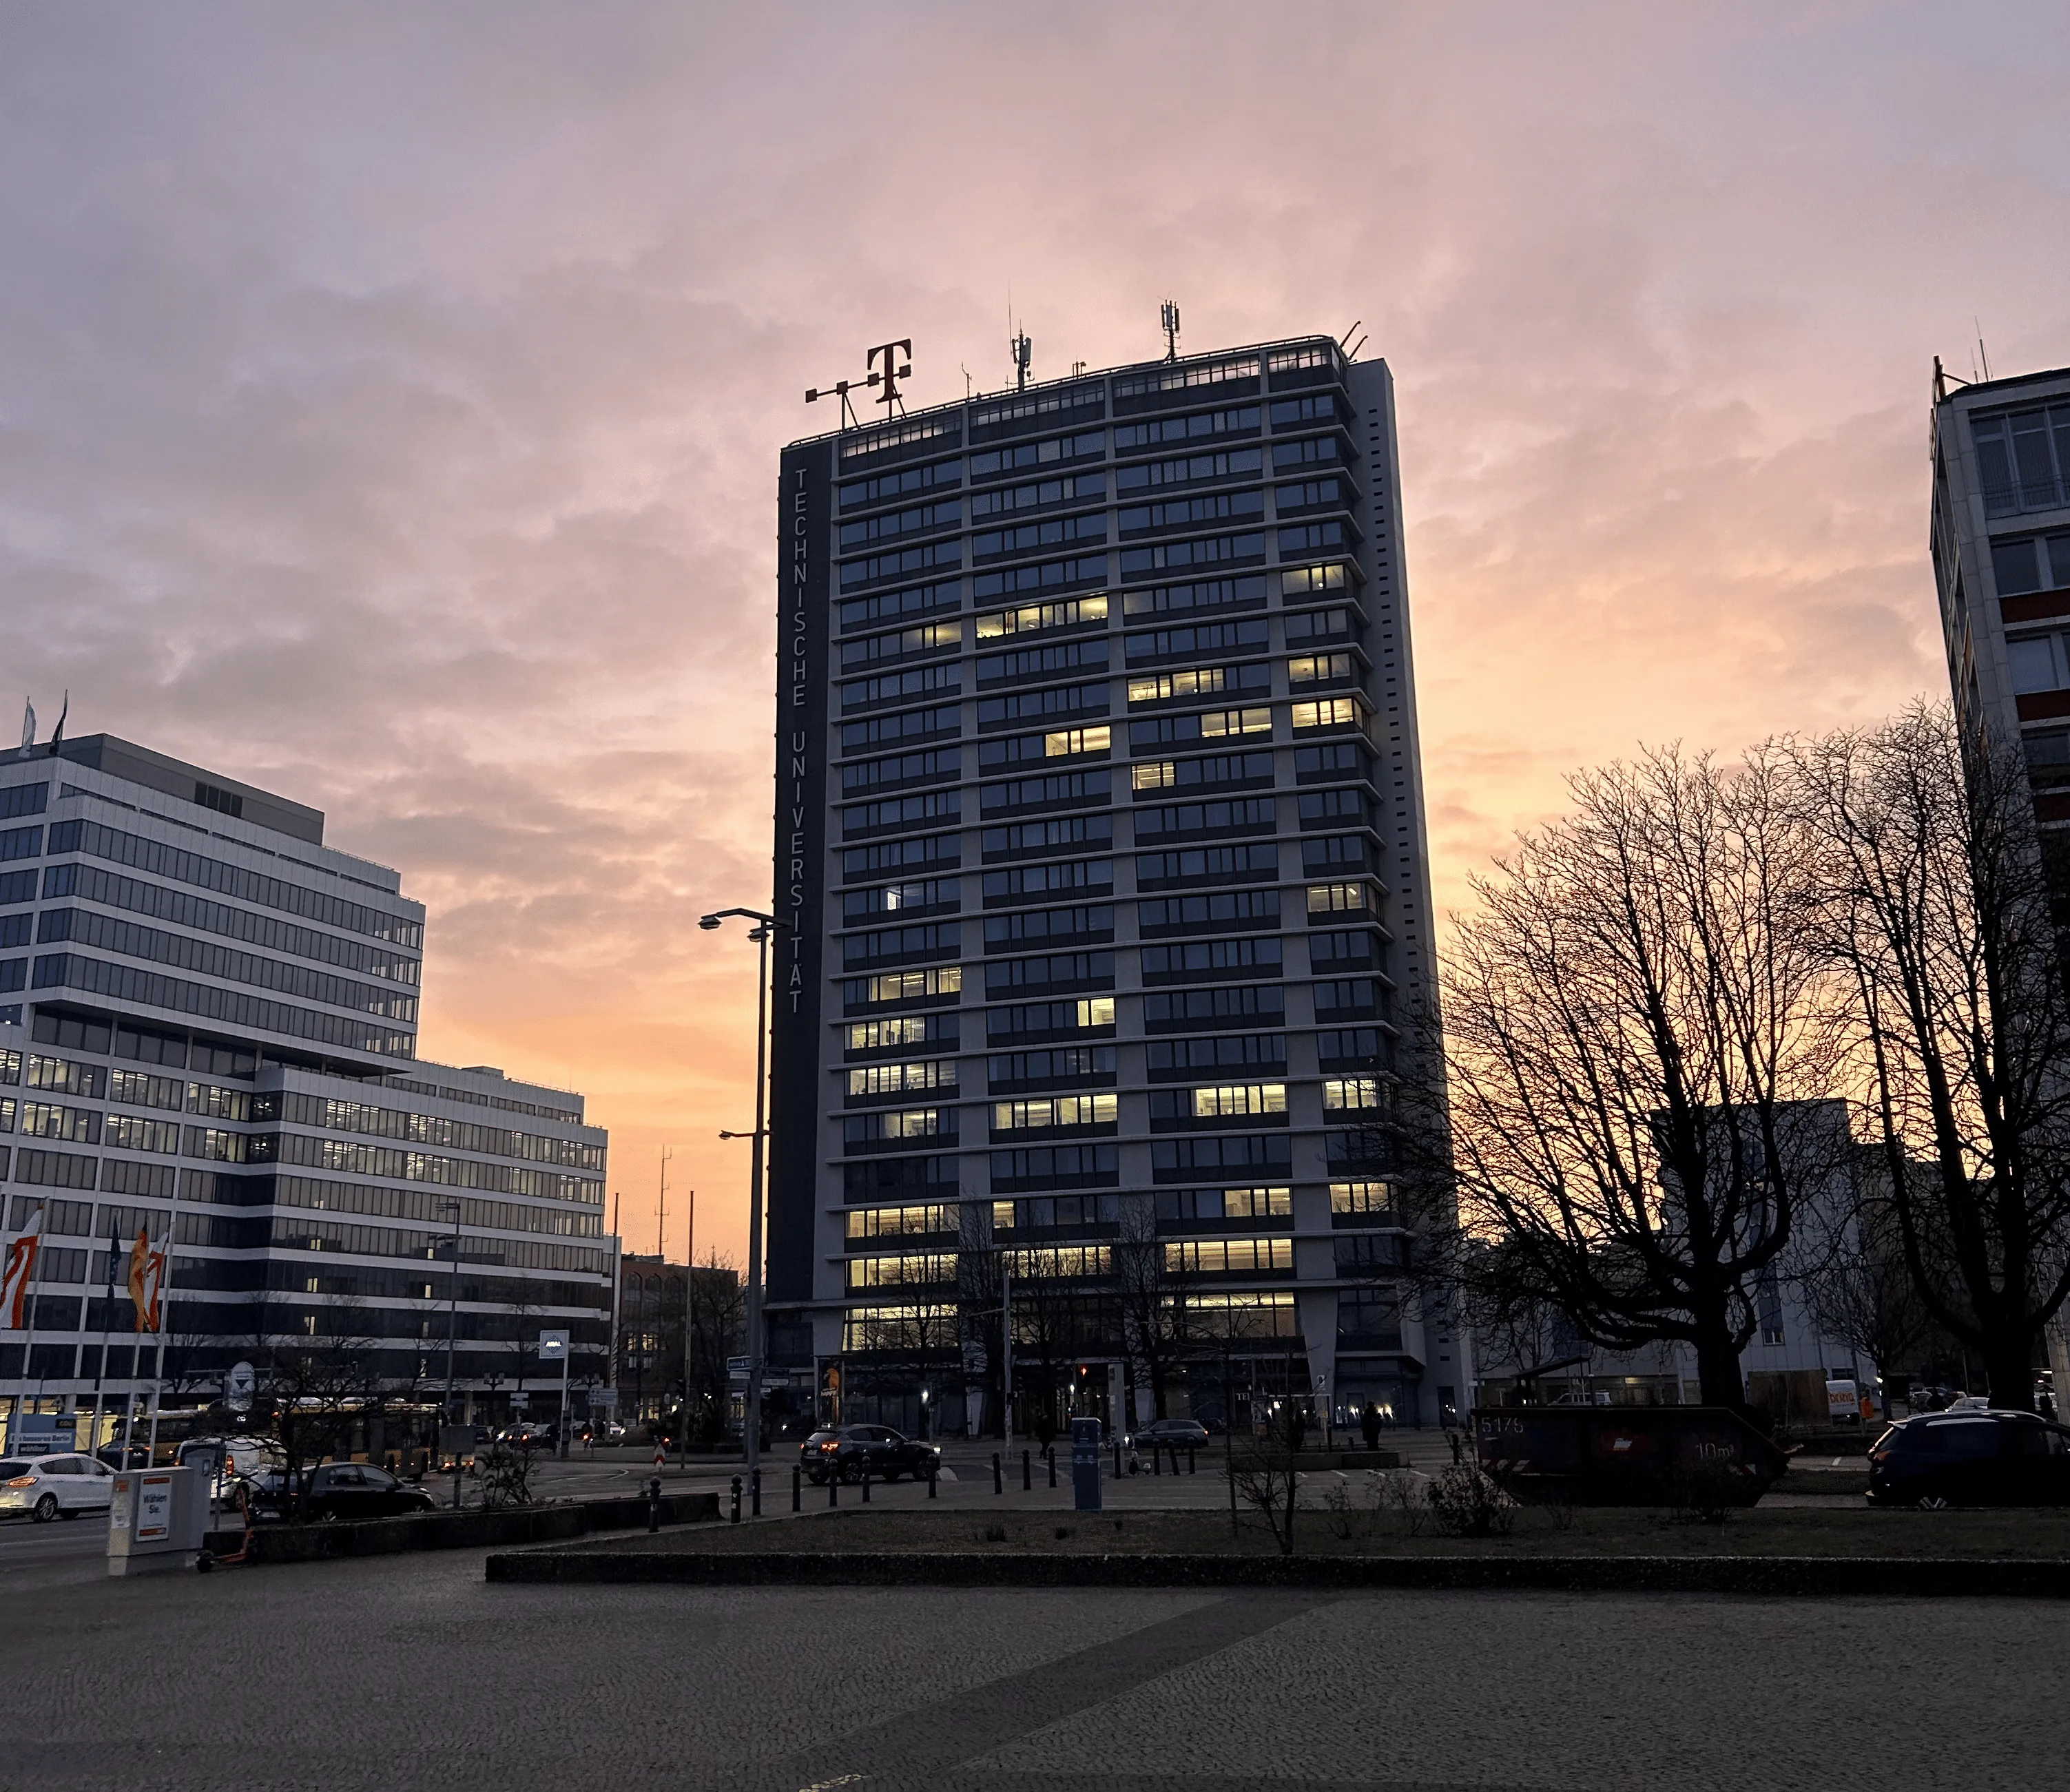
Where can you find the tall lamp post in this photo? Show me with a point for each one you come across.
(750, 1413)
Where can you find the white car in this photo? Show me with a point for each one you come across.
(45, 1487)
(244, 1458)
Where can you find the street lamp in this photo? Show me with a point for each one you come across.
(750, 1415)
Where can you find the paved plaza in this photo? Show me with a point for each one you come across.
(410, 1672)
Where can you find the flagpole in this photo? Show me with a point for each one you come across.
(163, 1292)
(16, 1429)
(106, 1313)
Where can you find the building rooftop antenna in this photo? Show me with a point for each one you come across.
(839, 390)
(1167, 317)
(1023, 352)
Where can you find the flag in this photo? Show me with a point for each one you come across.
(147, 1272)
(20, 1271)
(28, 727)
(57, 734)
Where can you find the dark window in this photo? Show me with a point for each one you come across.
(912, 724)
(1038, 880)
(1213, 594)
(1171, 1010)
(1232, 1051)
(2015, 565)
(1037, 925)
(23, 799)
(2048, 748)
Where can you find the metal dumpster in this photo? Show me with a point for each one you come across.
(1627, 1456)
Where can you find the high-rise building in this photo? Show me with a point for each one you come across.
(208, 1026)
(1100, 848)
(2001, 545)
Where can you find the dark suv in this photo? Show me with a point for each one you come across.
(1971, 1458)
(340, 1490)
(1169, 1433)
(850, 1451)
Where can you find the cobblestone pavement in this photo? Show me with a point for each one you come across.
(410, 1672)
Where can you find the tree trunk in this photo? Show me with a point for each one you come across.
(1718, 1371)
(2009, 1373)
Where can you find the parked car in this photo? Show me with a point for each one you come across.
(50, 1487)
(1969, 1457)
(1169, 1433)
(339, 1490)
(849, 1451)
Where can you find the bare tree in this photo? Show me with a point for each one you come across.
(1265, 1470)
(320, 1382)
(1937, 909)
(1158, 1332)
(1631, 1025)
(718, 1331)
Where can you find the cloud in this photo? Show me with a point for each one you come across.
(390, 400)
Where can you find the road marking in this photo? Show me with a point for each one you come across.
(839, 1779)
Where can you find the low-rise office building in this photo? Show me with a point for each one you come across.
(208, 1023)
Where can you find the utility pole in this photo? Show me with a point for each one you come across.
(689, 1317)
(453, 1313)
(765, 928)
(662, 1217)
(1005, 1347)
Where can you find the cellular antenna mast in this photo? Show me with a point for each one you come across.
(1023, 352)
(1168, 316)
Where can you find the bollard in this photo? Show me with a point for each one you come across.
(1156, 1457)
(654, 1505)
(754, 1493)
(865, 1486)
(833, 1489)
(1027, 1476)
(1193, 1461)
(1117, 1458)
(797, 1489)
(1051, 1453)
(998, 1485)
(736, 1500)
(934, 1476)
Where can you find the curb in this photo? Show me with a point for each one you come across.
(1783, 1575)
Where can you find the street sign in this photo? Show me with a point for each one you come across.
(238, 1387)
(602, 1399)
(553, 1346)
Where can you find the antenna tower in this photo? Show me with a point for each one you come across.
(1167, 315)
(1023, 352)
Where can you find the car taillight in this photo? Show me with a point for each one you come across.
(23, 1480)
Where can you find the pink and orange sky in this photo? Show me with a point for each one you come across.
(390, 396)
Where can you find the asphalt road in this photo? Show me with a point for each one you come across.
(410, 1672)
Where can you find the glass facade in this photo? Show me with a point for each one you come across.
(1170, 746)
(209, 1036)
